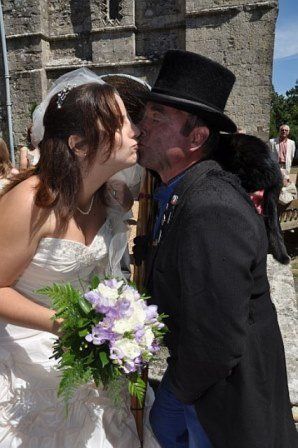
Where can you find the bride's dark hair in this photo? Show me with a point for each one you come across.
(90, 111)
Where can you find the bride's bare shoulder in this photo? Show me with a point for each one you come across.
(18, 204)
(21, 197)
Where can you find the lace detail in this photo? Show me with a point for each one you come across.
(74, 251)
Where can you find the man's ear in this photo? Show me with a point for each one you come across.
(75, 144)
(198, 137)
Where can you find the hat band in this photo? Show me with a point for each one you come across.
(186, 99)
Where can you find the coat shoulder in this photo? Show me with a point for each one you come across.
(217, 188)
(220, 194)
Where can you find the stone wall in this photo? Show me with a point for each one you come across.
(47, 38)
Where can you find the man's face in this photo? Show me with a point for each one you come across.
(284, 132)
(161, 140)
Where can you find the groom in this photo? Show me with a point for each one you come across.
(226, 385)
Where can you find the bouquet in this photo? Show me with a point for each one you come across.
(108, 334)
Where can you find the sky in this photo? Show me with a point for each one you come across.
(285, 63)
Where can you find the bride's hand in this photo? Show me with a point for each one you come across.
(56, 328)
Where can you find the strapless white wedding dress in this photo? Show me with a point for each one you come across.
(31, 416)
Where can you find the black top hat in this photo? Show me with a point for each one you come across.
(196, 84)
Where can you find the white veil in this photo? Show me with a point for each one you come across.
(73, 78)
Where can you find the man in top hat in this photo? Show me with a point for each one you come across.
(226, 385)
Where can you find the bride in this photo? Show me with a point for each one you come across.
(58, 228)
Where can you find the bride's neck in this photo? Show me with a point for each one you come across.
(91, 183)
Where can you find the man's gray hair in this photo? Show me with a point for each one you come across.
(211, 143)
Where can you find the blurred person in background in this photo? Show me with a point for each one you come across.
(6, 168)
(29, 155)
(283, 148)
(289, 191)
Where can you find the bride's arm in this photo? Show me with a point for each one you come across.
(17, 247)
(18, 310)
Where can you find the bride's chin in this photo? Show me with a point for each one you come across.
(133, 159)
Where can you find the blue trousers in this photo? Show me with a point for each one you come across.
(174, 424)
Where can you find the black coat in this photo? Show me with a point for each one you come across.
(209, 275)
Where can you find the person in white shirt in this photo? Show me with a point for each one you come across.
(289, 191)
(283, 148)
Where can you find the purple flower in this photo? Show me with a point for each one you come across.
(155, 347)
(102, 332)
(139, 334)
(92, 297)
(129, 366)
(124, 308)
(151, 313)
(159, 325)
(113, 283)
(100, 303)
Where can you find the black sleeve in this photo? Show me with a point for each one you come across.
(217, 251)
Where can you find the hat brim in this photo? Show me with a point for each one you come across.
(212, 116)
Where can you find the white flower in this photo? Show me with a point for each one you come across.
(148, 338)
(137, 318)
(127, 348)
(109, 293)
(130, 294)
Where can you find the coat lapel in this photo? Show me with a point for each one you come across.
(193, 175)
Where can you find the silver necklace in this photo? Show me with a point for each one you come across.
(89, 209)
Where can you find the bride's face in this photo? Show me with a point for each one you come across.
(125, 151)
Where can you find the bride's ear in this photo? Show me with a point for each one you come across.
(75, 144)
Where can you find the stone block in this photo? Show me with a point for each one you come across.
(21, 16)
(155, 43)
(113, 47)
(75, 50)
(152, 13)
(25, 53)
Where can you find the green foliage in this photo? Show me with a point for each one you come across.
(284, 110)
(77, 359)
(94, 282)
(73, 377)
(137, 388)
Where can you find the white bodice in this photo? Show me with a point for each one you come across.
(61, 261)
(64, 261)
